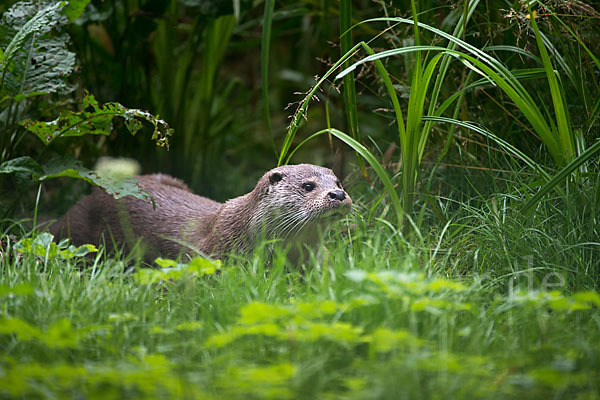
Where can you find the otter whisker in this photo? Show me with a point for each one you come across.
(301, 223)
(290, 221)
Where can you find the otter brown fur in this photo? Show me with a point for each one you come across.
(288, 202)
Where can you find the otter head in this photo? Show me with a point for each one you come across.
(294, 199)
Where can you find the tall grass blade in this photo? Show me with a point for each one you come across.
(594, 115)
(445, 63)
(561, 176)
(385, 77)
(300, 112)
(499, 74)
(349, 88)
(264, 66)
(565, 136)
(516, 50)
(412, 138)
(217, 35)
(416, 136)
(496, 73)
(568, 29)
(501, 142)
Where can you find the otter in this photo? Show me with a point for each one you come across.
(289, 202)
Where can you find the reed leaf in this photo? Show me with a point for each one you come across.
(565, 136)
(264, 65)
(349, 88)
(568, 29)
(501, 142)
(445, 63)
(300, 112)
(501, 76)
(494, 72)
(561, 176)
(412, 138)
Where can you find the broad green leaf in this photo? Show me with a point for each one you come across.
(203, 266)
(258, 312)
(441, 284)
(435, 305)
(74, 9)
(384, 340)
(588, 297)
(22, 164)
(356, 275)
(118, 188)
(271, 382)
(95, 119)
(220, 340)
(337, 332)
(20, 289)
(122, 317)
(44, 247)
(165, 262)
(42, 20)
(189, 326)
(157, 330)
(38, 59)
(81, 251)
(20, 328)
(61, 335)
(172, 271)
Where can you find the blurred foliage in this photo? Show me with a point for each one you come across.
(197, 66)
(358, 334)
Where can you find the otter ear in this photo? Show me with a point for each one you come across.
(275, 177)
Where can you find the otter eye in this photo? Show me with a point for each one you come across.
(275, 177)
(308, 186)
(338, 184)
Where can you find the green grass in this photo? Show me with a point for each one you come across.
(368, 318)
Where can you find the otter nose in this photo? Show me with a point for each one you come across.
(336, 195)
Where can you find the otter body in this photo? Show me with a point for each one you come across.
(288, 202)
